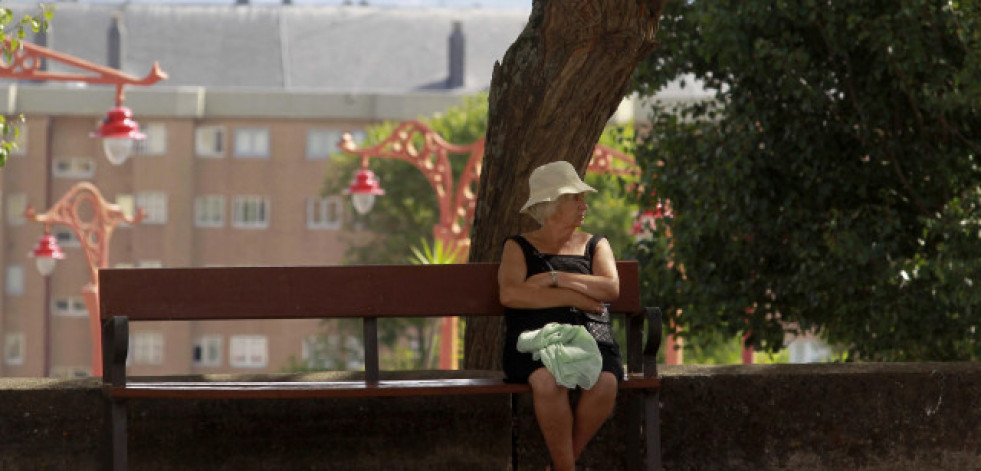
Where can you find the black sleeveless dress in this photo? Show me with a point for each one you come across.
(518, 366)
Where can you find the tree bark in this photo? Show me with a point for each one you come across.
(550, 98)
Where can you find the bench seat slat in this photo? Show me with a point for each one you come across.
(333, 389)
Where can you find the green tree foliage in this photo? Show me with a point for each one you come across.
(835, 185)
(12, 32)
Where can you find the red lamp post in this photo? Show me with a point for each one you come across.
(456, 202)
(456, 205)
(118, 132)
(93, 220)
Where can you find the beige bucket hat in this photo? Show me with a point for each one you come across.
(552, 180)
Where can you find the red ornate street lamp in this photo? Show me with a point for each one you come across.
(420, 145)
(416, 143)
(118, 132)
(456, 202)
(93, 220)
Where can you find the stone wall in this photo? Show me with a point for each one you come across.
(868, 417)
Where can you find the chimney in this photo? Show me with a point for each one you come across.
(115, 49)
(41, 39)
(457, 56)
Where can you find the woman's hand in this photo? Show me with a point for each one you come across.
(590, 305)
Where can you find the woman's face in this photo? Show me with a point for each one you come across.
(570, 210)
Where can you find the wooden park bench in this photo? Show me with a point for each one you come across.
(365, 292)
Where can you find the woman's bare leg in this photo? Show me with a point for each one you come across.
(554, 416)
(595, 406)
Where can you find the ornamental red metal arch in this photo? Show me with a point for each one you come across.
(458, 200)
(93, 220)
(26, 59)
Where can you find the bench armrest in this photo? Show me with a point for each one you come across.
(654, 331)
(115, 346)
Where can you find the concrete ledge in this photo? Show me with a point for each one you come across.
(868, 417)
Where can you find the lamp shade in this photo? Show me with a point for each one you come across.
(46, 254)
(118, 131)
(363, 189)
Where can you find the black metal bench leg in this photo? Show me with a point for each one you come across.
(652, 429)
(635, 418)
(514, 432)
(116, 426)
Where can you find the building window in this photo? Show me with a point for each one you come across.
(147, 348)
(73, 167)
(66, 238)
(70, 306)
(324, 213)
(209, 141)
(357, 136)
(16, 204)
(149, 264)
(14, 348)
(250, 212)
(156, 140)
(127, 204)
(248, 351)
(808, 350)
(154, 206)
(15, 280)
(322, 142)
(70, 372)
(207, 351)
(209, 211)
(252, 143)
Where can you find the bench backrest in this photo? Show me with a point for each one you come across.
(296, 292)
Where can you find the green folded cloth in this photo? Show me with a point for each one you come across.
(569, 352)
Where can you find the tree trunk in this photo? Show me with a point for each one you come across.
(550, 98)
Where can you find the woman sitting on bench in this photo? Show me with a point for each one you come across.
(551, 278)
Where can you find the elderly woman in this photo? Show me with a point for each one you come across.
(555, 274)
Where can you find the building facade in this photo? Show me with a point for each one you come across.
(217, 191)
(232, 170)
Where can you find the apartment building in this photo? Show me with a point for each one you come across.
(231, 171)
